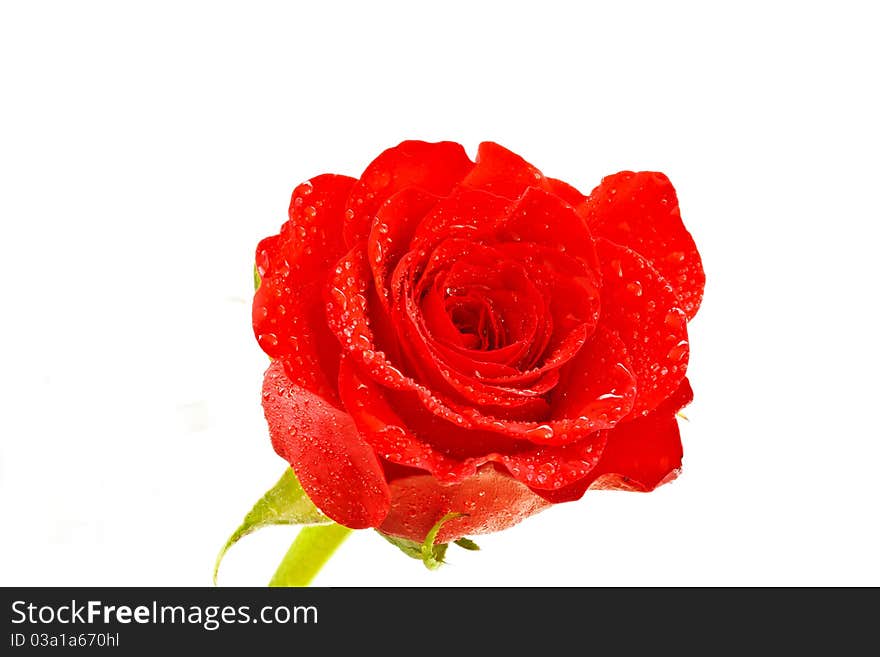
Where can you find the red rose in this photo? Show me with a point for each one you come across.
(474, 337)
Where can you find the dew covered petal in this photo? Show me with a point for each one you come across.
(643, 453)
(469, 214)
(502, 172)
(566, 192)
(553, 467)
(640, 307)
(640, 454)
(287, 313)
(546, 219)
(387, 433)
(391, 232)
(640, 211)
(598, 382)
(432, 167)
(335, 465)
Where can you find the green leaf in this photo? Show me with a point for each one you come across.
(431, 554)
(256, 279)
(308, 553)
(285, 504)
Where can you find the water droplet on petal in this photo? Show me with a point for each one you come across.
(262, 262)
(678, 351)
(635, 287)
(339, 297)
(674, 319)
(541, 432)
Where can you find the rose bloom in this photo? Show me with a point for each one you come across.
(474, 337)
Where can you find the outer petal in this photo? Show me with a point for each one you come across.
(641, 308)
(556, 466)
(642, 454)
(566, 192)
(288, 315)
(335, 465)
(503, 172)
(640, 211)
(492, 501)
(433, 167)
(639, 455)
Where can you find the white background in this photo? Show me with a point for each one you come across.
(147, 147)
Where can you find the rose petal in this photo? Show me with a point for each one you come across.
(640, 211)
(566, 192)
(373, 410)
(551, 455)
(502, 172)
(469, 214)
(572, 290)
(387, 433)
(646, 452)
(437, 316)
(433, 167)
(463, 433)
(346, 302)
(391, 232)
(639, 455)
(546, 219)
(348, 290)
(598, 382)
(492, 501)
(288, 317)
(639, 305)
(335, 465)
(555, 466)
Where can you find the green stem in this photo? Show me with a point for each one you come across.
(311, 549)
